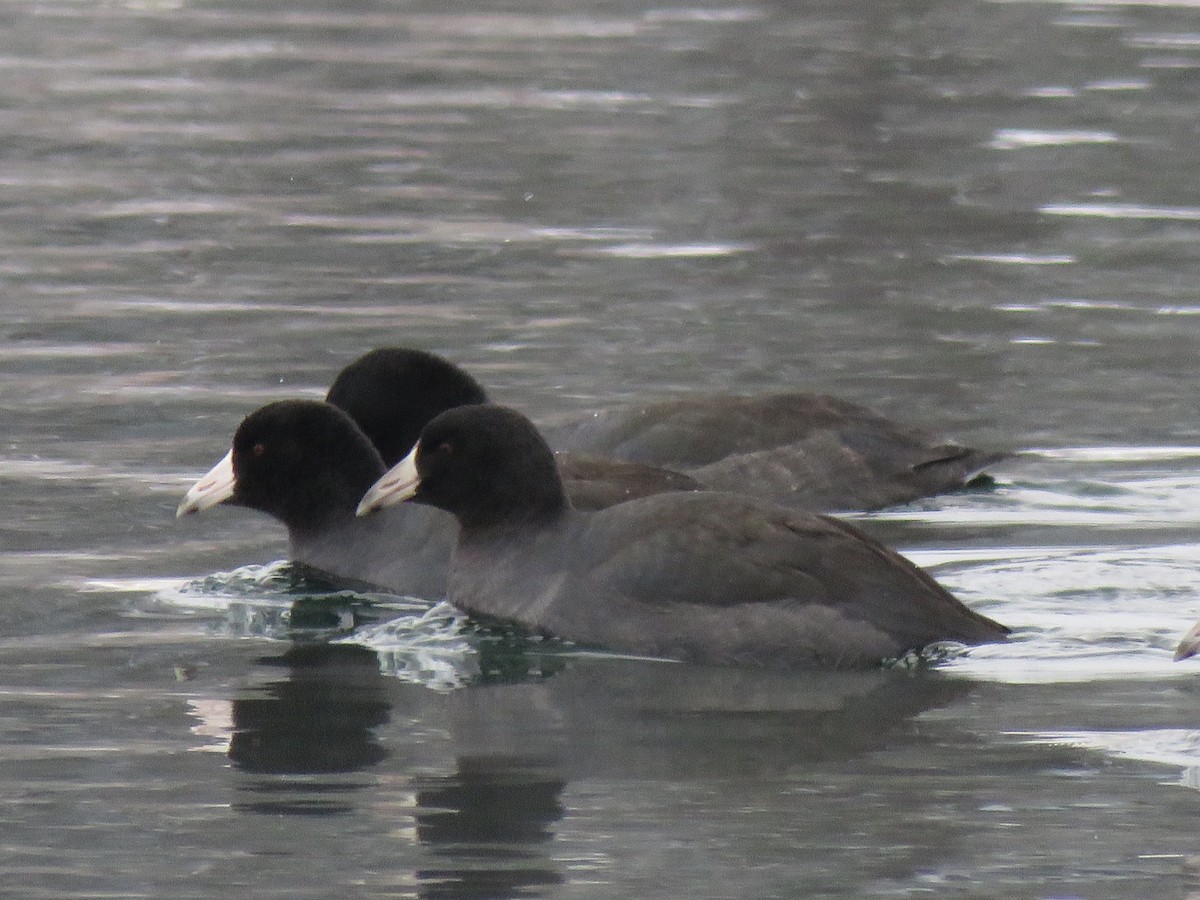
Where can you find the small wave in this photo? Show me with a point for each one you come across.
(415, 641)
(1131, 211)
(669, 251)
(281, 601)
(1081, 614)
(426, 648)
(1014, 259)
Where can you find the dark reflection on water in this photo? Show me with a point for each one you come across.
(323, 715)
(320, 718)
(484, 825)
(489, 826)
(655, 718)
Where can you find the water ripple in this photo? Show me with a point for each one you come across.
(1019, 138)
(1016, 259)
(1080, 614)
(669, 251)
(1133, 211)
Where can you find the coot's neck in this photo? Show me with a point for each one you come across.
(517, 512)
(336, 509)
(328, 500)
(521, 493)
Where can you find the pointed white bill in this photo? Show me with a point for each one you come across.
(399, 483)
(215, 487)
(1190, 645)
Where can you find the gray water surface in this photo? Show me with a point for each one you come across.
(979, 217)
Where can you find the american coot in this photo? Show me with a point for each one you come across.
(704, 576)
(805, 451)
(393, 392)
(307, 464)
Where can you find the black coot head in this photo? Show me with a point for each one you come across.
(487, 465)
(393, 392)
(302, 461)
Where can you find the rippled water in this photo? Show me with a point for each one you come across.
(977, 216)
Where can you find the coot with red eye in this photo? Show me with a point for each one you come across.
(307, 464)
(703, 576)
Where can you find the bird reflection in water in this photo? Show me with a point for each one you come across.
(508, 747)
(479, 827)
(483, 824)
(318, 720)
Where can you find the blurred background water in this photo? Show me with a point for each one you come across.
(979, 217)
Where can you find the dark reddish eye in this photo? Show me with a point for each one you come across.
(258, 449)
(445, 447)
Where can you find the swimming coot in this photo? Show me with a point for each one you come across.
(393, 392)
(805, 451)
(700, 576)
(307, 464)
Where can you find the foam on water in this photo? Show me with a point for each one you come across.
(431, 644)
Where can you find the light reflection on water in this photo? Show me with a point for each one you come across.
(1170, 747)
(1123, 211)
